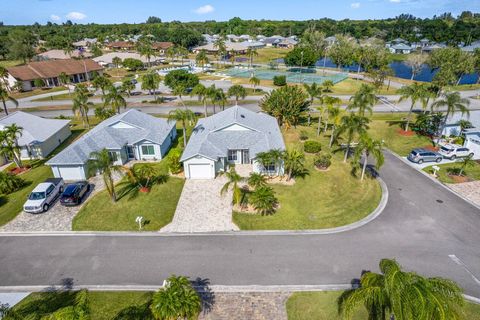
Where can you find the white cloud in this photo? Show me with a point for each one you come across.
(76, 15)
(204, 9)
(355, 5)
(54, 17)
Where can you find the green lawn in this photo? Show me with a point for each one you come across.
(11, 205)
(63, 96)
(320, 200)
(10, 63)
(157, 207)
(471, 173)
(103, 305)
(323, 306)
(26, 94)
(350, 86)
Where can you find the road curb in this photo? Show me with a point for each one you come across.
(434, 179)
(372, 216)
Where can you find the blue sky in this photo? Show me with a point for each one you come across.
(110, 11)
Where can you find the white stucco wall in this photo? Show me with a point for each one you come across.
(199, 160)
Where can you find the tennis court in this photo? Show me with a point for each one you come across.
(292, 77)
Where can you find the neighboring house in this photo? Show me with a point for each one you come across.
(401, 48)
(50, 70)
(106, 60)
(121, 45)
(84, 44)
(132, 135)
(161, 47)
(238, 47)
(472, 141)
(472, 135)
(57, 54)
(233, 136)
(40, 136)
(288, 43)
(432, 47)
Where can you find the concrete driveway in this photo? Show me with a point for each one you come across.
(201, 208)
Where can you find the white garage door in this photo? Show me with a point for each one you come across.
(200, 171)
(71, 173)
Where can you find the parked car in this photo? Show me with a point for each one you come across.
(74, 193)
(453, 151)
(44, 195)
(423, 155)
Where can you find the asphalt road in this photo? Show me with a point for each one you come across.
(421, 226)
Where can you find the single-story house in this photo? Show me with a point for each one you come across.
(132, 135)
(452, 125)
(234, 136)
(40, 136)
(106, 60)
(121, 45)
(237, 47)
(50, 70)
(401, 48)
(57, 54)
(288, 43)
(161, 47)
(432, 47)
(85, 44)
(472, 141)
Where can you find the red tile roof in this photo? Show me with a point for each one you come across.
(162, 45)
(53, 68)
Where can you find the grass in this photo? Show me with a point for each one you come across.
(63, 96)
(10, 63)
(103, 305)
(26, 94)
(350, 86)
(157, 208)
(266, 55)
(320, 200)
(323, 306)
(230, 102)
(470, 173)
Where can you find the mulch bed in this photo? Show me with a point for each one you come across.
(459, 179)
(404, 133)
(17, 171)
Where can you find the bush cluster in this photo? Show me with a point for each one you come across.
(322, 161)
(312, 146)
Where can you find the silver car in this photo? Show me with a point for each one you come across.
(423, 155)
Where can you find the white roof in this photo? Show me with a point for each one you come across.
(108, 58)
(35, 129)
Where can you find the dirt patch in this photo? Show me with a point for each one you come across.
(459, 179)
(431, 148)
(18, 171)
(321, 169)
(404, 133)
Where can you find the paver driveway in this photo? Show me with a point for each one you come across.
(201, 208)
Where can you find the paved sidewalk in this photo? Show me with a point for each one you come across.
(469, 190)
(201, 208)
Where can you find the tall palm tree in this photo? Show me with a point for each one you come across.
(402, 295)
(453, 102)
(127, 86)
(81, 104)
(294, 162)
(115, 99)
(368, 147)
(183, 116)
(412, 92)
(363, 100)
(179, 90)
(145, 49)
(233, 181)
(14, 132)
(102, 162)
(202, 93)
(5, 96)
(314, 91)
(219, 44)
(170, 53)
(212, 93)
(237, 91)
(9, 149)
(232, 55)
(101, 82)
(202, 59)
(178, 300)
(251, 52)
(330, 103)
(254, 81)
(222, 98)
(351, 125)
(65, 80)
(335, 115)
(150, 82)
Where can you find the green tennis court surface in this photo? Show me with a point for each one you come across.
(292, 77)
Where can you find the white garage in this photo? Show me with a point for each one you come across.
(69, 173)
(199, 168)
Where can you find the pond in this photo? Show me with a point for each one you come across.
(401, 70)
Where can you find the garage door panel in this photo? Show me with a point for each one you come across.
(71, 173)
(200, 171)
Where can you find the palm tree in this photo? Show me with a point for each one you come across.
(368, 147)
(351, 125)
(219, 44)
(145, 49)
(271, 157)
(212, 93)
(178, 300)
(314, 91)
(170, 53)
(263, 200)
(233, 181)
(237, 91)
(294, 162)
(412, 92)
(5, 96)
(150, 82)
(335, 115)
(256, 180)
(183, 116)
(81, 104)
(254, 81)
(179, 90)
(251, 52)
(9, 148)
(222, 98)
(115, 99)
(13, 132)
(101, 82)
(327, 85)
(102, 162)
(202, 59)
(202, 93)
(330, 103)
(363, 100)
(65, 80)
(465, 163)
(394, 293)
(453, 102)
(232, 55)
(127, 86)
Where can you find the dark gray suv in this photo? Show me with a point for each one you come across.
(423, 155)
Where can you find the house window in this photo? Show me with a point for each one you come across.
(113, 156)
(270, 167)
(148, 150)
(232, 155)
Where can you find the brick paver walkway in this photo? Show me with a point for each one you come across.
(470, 190)
(201, 208)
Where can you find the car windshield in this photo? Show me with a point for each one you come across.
(446, 149)
(37, 196)
(69, 190)
(414, 153)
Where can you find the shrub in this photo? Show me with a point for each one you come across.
(10, 183)
(174, 163)
(312, 146)
(303, 135)
(263, 200)
(103, 113)
(280, 81)
(322, 161)
(132, 64)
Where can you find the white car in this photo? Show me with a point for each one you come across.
(44, 195)
(453, 151)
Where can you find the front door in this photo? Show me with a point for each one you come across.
(130, 152)
(245, 157)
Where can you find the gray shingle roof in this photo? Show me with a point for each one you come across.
(34, 128)
(145, 127)
(210, 141)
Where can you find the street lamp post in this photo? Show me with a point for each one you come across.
(301, 67)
